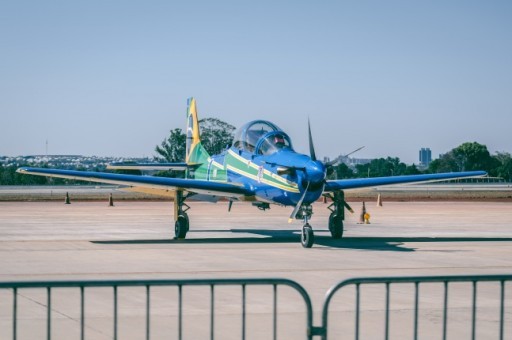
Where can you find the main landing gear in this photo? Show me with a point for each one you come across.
(181, 221)
(337, 215)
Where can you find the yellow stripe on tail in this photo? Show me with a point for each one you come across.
(195, 152)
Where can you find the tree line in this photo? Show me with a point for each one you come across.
(9, 176)
(217, 135)
(465, 157)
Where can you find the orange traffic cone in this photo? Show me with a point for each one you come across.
(366, 218)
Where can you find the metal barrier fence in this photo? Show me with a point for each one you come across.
(310, 331)
(148, 284)
(416, 281)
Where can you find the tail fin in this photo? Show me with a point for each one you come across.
(195, 152)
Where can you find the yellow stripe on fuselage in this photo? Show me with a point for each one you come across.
(216, 164)
(265, 171)
(263, 180)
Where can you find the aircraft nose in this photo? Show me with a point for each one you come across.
(315, 172)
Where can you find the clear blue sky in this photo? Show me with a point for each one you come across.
(112, 77)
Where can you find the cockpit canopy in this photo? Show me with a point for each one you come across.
(261, 137)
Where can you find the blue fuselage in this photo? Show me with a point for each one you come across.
(280, 178)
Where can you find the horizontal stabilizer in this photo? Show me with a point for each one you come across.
(151, 166)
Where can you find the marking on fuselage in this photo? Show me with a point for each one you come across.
(265, 171)
(263, 180)
(260, 173)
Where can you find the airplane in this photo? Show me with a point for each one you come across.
(261, 166)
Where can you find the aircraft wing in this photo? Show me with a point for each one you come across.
(160, 183)
(356, 183)
(151, 166)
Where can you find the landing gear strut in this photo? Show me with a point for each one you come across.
(307, 236)
(337, 215)
(181, 221)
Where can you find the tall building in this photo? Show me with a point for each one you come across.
(425, 156)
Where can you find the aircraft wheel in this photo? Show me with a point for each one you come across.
(188, 221)
(307, 237)
(181, 226)
(336, 226)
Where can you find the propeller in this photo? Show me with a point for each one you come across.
(313, 158)
(314, 173)
(311, 146)
(329, 165)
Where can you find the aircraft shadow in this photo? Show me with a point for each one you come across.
(322, 238)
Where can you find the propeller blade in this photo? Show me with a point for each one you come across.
(339, 158)
(297, 207)
(311, 146)
(356, 150)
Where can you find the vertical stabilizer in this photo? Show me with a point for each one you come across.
(193, 135)
(195, 152)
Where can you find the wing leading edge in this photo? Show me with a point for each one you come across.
(357, 183)
(192, 185)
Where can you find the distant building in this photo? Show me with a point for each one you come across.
(425, 157)
(349, 161)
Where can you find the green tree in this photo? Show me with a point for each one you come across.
(473, 156)
(412, 170)
(381, 167)
(445, 163)
(363, 170)
(172, 149)
(343, 171)
(9, 176)
(216, 135)
(466, 157)
(504, 166)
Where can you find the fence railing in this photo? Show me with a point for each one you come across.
(418, 281)
(425, 292)
(83, 286)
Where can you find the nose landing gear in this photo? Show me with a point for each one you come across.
(307, 236)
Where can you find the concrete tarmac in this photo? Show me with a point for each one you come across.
(133, 240)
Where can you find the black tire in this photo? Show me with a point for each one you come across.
(188, 221)
(307, 236)
(336, 226)
(181, 227)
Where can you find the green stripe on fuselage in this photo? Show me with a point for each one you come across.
(237, 164)
(246, 168)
